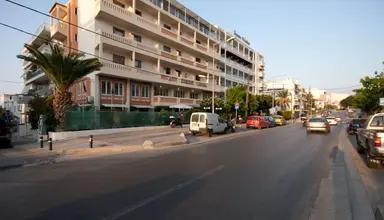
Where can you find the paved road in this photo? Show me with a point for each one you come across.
(268, 174)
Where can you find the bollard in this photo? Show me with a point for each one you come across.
(50, 144)
(90, 141)
(41, 142)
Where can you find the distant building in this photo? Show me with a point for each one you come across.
(3, 99)
(18, 105)
(294, 88)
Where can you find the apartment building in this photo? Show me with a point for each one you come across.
(295, 91)
(17, 104)
(35, 80)
(155, 53)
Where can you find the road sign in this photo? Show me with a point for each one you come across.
(237, 105)
(382, 101)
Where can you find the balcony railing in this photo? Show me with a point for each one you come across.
(31, 75)
(158, 100)
(59, 30)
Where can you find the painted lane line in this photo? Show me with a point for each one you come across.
(162, 194)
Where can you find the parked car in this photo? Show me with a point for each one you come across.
(370, 140)
(318, 124)
(272, 122)
(5, 133)
(354, 124)
(207, 123)
(279, 120)
(257, 122)
(331, 120)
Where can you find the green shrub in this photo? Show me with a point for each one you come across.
(286, 114)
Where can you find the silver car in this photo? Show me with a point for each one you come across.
(318, 124)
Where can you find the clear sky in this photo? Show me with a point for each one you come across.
(322, 43)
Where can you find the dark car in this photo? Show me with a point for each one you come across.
(5, 133)
(354, 124)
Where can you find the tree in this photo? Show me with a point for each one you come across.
(310, 102)
(264, 103)
(41, 106)
(367, 97)
(237, 94)
(221, 107)
(63, 70)
(282, 99)
(329, 106)
(347, 101)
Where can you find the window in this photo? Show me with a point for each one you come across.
(167, 26)
(137, 38)
(192, 21)
(106, 87)
(138, 63)
(118, 3)
(193, 95)
(118, 31)
(20, 108)
(178, 73)
(75, 11)
(234, 72)
(166, 49)
(178, 52)
(241, 74)
(198, 60)
(167, 70)
(165, 5)
(197, 78)
(198, 42)
(246, 51)
(157, 2)
(179, 94)
(119, 59)
(229, 70)
(119, 89)
(135, 90)
(377, 121)
(195, 118)
(138, 12)
(177, 12)
(204, 28)
(202, 118)
(161, 91)
(144, 91)
(75, 37)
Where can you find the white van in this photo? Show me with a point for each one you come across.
(207, 123)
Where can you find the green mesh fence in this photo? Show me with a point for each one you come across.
(92, 120)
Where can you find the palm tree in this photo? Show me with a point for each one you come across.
(63, 69)
(283, 99)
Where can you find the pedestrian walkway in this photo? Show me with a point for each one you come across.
(23, 154)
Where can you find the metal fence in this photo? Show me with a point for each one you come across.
(91, 120)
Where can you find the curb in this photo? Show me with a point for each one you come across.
(359, 201)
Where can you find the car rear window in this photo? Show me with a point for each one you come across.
(195, 118)
(316, 120)
(377, 121)
(202, 118)
(252, 118)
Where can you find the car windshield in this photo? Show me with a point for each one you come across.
(252, 118)
(377, 121)
(316, 120)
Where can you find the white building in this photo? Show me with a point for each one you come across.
(335, 98)
(18, 105)
(155, 53)
(4, 98)
(296, 92)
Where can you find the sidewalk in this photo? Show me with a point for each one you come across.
(20, 155)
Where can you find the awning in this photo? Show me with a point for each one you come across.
(181, 106)
(142, 106)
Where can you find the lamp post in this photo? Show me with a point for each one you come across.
(213, 72)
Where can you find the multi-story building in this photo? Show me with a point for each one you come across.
(35, 81)
(259, 74)
(4, 98)
(18, 105)
(155, 53)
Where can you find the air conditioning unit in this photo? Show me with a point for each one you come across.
(90, 99)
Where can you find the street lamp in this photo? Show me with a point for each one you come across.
(213, 72)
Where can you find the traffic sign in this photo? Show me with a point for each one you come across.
(382, 101)
(237, 105)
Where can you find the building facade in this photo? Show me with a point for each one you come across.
(35, 80)
(295, 91)
(155, 53)
(18, 105)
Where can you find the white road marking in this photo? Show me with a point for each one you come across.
(162, 194)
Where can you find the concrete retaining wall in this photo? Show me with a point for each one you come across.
(73, 134)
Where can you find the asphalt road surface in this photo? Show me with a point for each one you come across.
(268, 174)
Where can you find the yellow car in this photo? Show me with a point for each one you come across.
(279, 120)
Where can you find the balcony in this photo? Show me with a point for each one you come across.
(106, 9)
(149, 75)
(32, 76)
(168, 100)
(59, 31)
(201, 47)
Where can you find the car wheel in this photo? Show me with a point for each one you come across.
(233, 130)
(259, 127)
(225, 130)
(193, 133)
(369, 161)
(360, 149)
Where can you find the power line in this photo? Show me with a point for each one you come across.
(91, 31)
(340, 88)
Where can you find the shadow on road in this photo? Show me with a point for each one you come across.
(140, 196)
